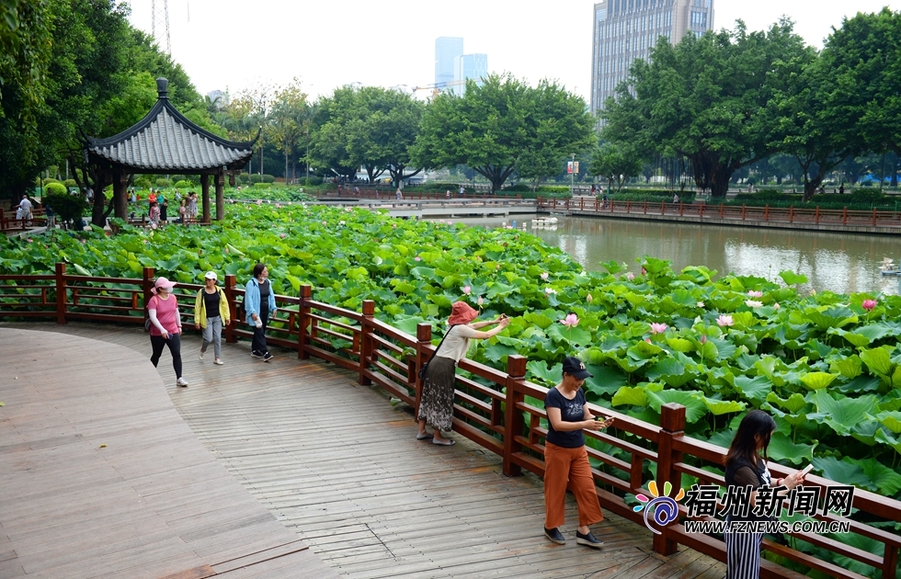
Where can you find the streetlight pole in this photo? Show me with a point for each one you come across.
(572, 177)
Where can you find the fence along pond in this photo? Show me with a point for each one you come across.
(500, 411)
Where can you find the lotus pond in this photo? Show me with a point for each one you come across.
(826, 365)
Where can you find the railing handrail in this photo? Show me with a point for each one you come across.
(496, 417)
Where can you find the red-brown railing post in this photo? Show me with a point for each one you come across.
(663, 208)
(304, 322)
(744, 211)
(60, 293)
(672, 426)
(816, 215)
(766, 212)
(645, 208)
(874, 217)
(513, 419)
(681, 208)
(366, 341)
(423, 338)
(791, 213)
(146, 284)
(231, 283)
(845, 216)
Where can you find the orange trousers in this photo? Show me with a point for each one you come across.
(569, 466)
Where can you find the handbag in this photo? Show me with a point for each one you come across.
(147, 322)
(425, 367)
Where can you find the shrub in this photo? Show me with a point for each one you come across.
(55, 188)
(261, 185)
(162, 182)
(143, 182)
(184, 184)
(48, 180)
(255, 178)
(66, 206)
(177, 178)
(312, 181)
(243, 179)
(268, 179)
(70, 183)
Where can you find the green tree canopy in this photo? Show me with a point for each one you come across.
(502, 126)
(706, 99)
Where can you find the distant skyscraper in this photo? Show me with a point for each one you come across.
(466, 66)
(627, 29)
(447, 49)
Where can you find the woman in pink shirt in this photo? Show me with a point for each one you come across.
(165, 325)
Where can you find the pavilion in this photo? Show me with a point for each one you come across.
(162, 143)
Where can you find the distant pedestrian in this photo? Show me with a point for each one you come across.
(51, 216)
(154, 215)
(675, 197)
(841, 189)
(399, 194)
(165, 326)
(192, 207)
(24, 209)
(462, 190)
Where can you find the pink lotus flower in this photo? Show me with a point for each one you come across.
(467, 289)
(753, 303)
(658, 328)
(324, 222)
(30, 240)
(570, 321)
(417, 258)
(282, 235)
(630, 276)
(278, 205)
(589, 299)
(868, 305)
(643, 271)
(724, 320)
(703, 338)
(648, 340)
(259, 201)
(776, 305)
(479, 301)
(544, 276)
(755, 294)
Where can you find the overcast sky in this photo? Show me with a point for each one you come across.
(231, 45)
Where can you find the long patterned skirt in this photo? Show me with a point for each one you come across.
(437, 403)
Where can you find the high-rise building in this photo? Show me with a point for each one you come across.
(447, 50)
(469, 66)
(627, 29)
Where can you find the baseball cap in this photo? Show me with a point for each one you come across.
(575, 367)
(164, 283)
(211, 275)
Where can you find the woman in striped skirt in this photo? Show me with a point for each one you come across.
(746, 466)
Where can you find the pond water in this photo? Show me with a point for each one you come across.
(838, 262)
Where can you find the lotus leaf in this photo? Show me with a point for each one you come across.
(842, 414)
(783, 449)
(630, 396)
(693, 401)
(818, 380)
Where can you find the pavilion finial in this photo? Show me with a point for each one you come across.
(162, 86)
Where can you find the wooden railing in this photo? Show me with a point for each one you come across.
(9, 222)
(498, 410)
(372, 193)
(754, 214)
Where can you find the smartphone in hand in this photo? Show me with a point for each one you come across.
(807, 469)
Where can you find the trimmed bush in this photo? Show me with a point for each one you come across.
(66, 206)
(184, 184)
(268, 179)
(70, 183)
(142, 182)
(162, 182)
(48, 180)
(243, 179)
(55, 188)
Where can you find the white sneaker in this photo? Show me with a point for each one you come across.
(181, 382)
(218, 362)
(201, 355)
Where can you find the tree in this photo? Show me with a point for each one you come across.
(803, 124)
(616, 163)
(863, 96)
(288, 122)
(503, 125)
(704, 99)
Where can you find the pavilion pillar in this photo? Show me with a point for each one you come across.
(205, 188)
(120, 199)
(220, 195)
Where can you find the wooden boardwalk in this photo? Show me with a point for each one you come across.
(335, 462)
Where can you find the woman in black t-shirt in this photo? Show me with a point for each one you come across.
(565, 457)
(746, 466)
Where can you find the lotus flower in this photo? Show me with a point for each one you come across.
(570, 321)
(724, 320)
(868, 305)
(630, 276)
(549, 290)
(479, 301)
(467, 289)
(700, 304)
(658, 328)
(643, 271)
(342, 222)
(259, 201)
(753, 303)
(544, 276)
(417, 258)
(776, 305)
(589, 299)
(755, 294)
(703, 338)
(282, 235)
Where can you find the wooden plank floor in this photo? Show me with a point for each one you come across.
(338, 465)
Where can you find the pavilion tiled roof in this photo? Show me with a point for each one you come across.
(165, 141)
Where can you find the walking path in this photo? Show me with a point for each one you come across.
(333, 461)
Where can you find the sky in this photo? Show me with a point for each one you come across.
(232, 46)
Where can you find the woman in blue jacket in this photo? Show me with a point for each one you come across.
(259, 304)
